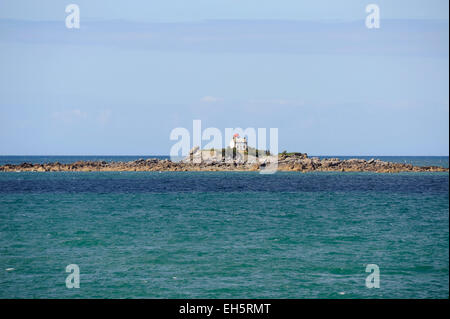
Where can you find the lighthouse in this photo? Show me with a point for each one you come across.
(240, 143)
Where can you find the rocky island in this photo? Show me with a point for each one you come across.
(298, 162)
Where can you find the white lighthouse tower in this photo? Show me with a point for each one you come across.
(240, 143)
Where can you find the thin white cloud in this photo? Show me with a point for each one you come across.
(69, 116)
(211, 99)
(104, 117)
(280, 102)
(408, 37)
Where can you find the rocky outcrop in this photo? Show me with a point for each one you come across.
(286, 162)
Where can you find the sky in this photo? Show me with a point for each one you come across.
(136, 70)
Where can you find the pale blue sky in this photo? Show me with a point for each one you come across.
(133, 72)
(194, 10)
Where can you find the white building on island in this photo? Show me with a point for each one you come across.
(239, 142)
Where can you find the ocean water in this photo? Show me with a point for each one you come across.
(224, 234)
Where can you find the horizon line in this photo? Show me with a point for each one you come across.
(166, 155)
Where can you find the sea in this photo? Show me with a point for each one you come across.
(223, 234)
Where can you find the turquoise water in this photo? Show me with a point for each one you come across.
(224, 234)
